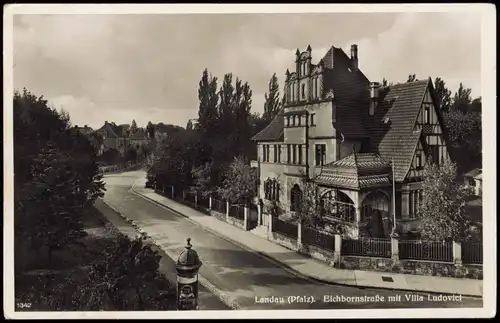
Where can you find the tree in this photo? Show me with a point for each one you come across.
(443, 210)
(208, 116)
(272, 100)
(307, 208)
(150, 130)
(443, 94)
(129, 266)
(242, 105)
(465, 134)
(189, 125)
(56, 178)
(411, 78)
(53, 210)
(131, 154)
(476, 106)
(240, 182)
(204, 179)
(462, 99)
(133, 127)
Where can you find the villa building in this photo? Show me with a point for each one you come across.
(118, 137)
(353, 138)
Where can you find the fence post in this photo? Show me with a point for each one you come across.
(245, 218)
(259, 215)
(210, 203)
(183, 195)
(227, 211)
(172, 192)
(394, 249)
(270, 224)
(457, 253)
(337, 247)
(196, 200)
(299, 235)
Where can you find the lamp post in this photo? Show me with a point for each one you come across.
(187, 266)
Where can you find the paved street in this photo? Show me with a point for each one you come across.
(241, 274)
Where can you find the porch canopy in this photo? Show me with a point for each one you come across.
(356, 171)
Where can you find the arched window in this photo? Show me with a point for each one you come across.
(338, 205)
(271, 190)
(267, 189)
(295, 198)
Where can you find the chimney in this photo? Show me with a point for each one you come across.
(354, 57)
(374, 87)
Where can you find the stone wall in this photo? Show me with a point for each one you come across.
(284, 241)
(410, 267)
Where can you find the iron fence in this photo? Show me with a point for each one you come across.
(426, 250)
(190, 198)
(366, 247)
(203, 201)
(472, 253)
(219, 206)
(237, 211)
(317, 238)
(286, 228)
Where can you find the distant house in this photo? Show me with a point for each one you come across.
(85, 130)
(113, 137)
(474, 179)
(353, 138)
(138, 138)
(119, 137)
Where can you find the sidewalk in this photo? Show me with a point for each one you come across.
(312, 268)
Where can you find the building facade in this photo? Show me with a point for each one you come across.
(354, 139)
(118, 137)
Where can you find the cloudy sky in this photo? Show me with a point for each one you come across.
(147, 67)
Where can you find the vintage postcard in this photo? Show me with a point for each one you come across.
(249, 161)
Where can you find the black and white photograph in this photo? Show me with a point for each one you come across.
(249, 161)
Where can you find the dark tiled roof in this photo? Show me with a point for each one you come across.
(351, 91)
(110, 130)
(139, 134)
(356, 171)
(273, 131)
(391, 128)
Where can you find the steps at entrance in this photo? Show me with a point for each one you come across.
(260, 231)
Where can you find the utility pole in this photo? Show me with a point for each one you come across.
(393, 231)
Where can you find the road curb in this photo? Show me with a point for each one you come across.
(227, 300)
(290, 269)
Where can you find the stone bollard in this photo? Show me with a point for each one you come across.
(172, 189)
(210, 203)
(195, 200)
(183, 195)
(227, 211)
